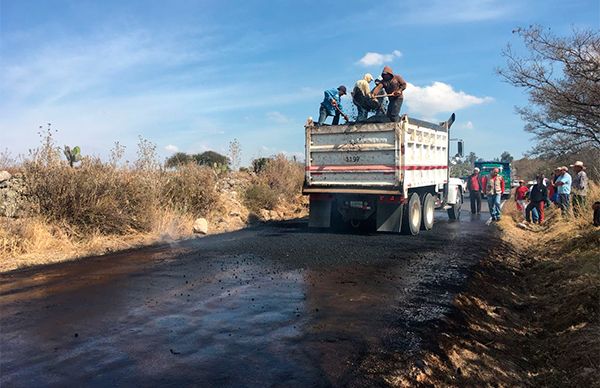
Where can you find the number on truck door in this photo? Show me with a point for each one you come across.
(352, 159)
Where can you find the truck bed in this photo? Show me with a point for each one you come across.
(385, 158)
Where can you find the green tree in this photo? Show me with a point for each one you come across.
(178, 159)
(211, 158)
(471, 158)
(506, 157)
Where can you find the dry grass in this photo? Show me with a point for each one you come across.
(190, 189)
(95, 198)
(101, 207)
(35, 241)
(279, 181)
(531, 313)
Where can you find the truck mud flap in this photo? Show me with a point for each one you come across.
(319, 211)
(389, 217)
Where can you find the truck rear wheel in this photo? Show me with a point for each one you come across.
(411, 219)
(428, 212)
(454, 210)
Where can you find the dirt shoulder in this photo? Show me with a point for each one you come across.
(530, 315)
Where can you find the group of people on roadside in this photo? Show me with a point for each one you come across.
(562, 190)
(492, 186)
(367, 100)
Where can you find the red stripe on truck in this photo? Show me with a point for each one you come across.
(424, 167)
(356, 167)
(371, 167)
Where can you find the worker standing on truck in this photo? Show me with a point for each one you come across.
(394, 85)
(494, 187)
(361, 97)
(331, 105)
(474, 186)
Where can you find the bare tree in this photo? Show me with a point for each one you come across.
(562, 77)
(235, 154)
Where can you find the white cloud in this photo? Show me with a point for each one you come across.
(171, 148)
(467, 125)
(278, 117)
(377, 59)
(438, 98)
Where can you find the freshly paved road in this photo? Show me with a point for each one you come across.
(272, 305)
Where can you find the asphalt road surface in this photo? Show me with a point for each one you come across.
(271, 305)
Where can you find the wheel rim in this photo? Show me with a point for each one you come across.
(429, 211)
(415, 212)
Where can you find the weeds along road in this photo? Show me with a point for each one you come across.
(268, 305)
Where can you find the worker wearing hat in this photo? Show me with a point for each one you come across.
(331, 105)
(579, 187)
(394, 85)
(563, 188)
(493, 186)
(475, 187)
(361, 97)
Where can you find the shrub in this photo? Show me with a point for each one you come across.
(260, 196)
(178, 159)
(278, 179)
(94, 197)
(211, 158)
(190, 188)
(258, 165)
(284, 176)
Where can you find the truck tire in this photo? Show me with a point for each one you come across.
(428, 212)
(411, 219)
(454, 210)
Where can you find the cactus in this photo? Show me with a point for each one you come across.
(73, 155)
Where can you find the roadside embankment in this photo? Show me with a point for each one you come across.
(52, 212)
(531, 313)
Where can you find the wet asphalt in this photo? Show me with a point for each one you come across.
(270, 305)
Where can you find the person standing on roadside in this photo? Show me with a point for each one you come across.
(494, 187)
(474, 186)
(394, 85)
(538, 197)
(563, 188)
(579, 188)
(521, 196)
(551, 189)
(332, 106)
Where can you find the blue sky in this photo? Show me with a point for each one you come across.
(194, 75)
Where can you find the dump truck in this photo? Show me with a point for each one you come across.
(384, 176)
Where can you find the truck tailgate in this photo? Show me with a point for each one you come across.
(352, 155)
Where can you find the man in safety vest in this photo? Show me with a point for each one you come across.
(494, 187)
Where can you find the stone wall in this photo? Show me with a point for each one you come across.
(13, 199)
